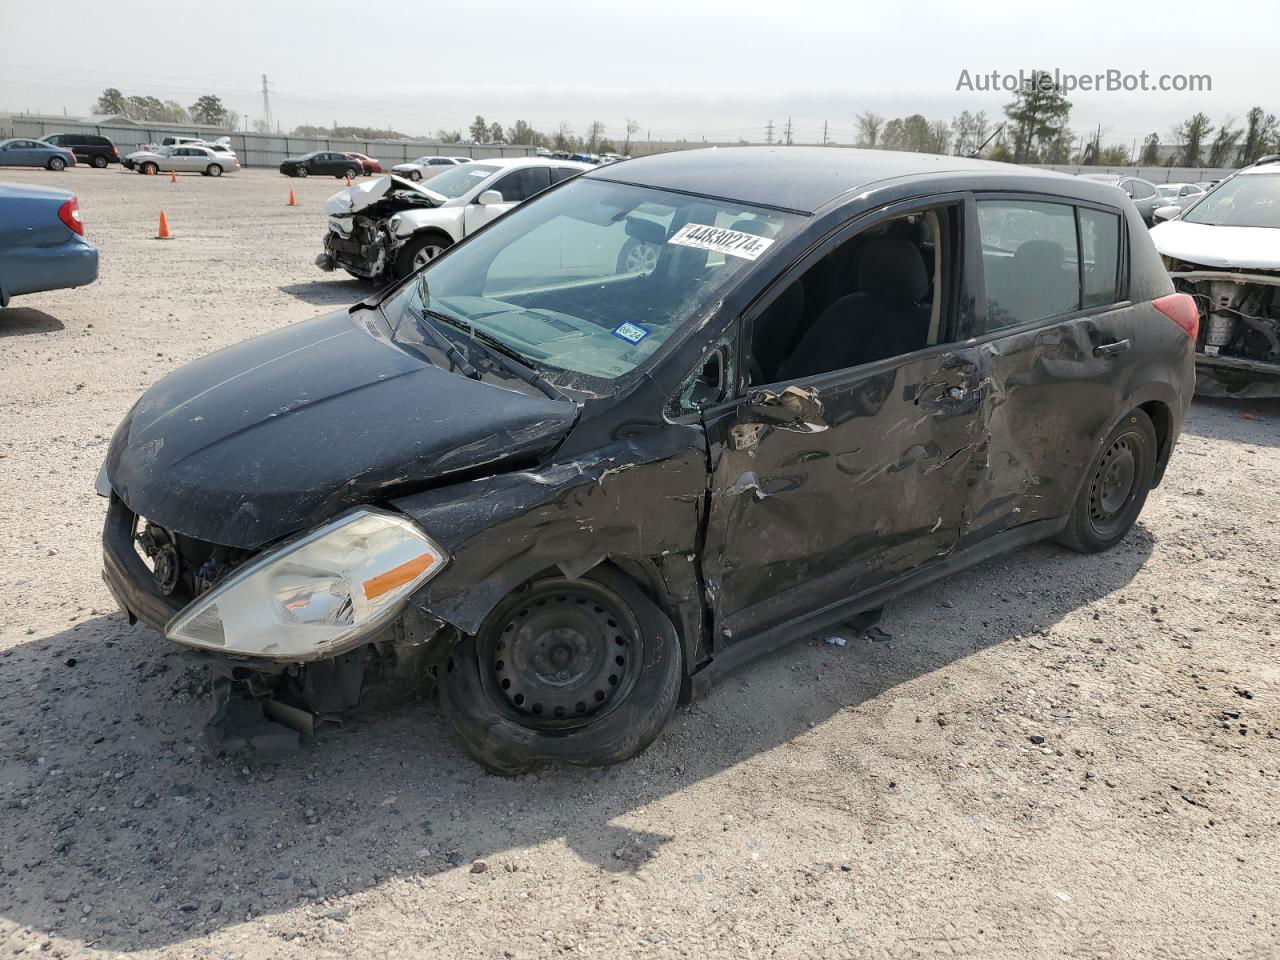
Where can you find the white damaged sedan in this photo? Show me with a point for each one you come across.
(1224, 250)
(387, 228)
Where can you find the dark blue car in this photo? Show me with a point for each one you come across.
(42, 244)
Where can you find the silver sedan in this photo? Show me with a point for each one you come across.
(187, 158)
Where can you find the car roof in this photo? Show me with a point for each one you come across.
(1258, 168)
(804, 179)
(508, 162)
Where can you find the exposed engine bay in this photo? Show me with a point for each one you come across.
(1239, 329)
(361, 238)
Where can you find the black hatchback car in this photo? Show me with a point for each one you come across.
(89, 148)
(573, 484)
(322, 163)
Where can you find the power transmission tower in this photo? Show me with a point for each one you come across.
(768, 138)
(824, 133)
(788, 133)
(266, 105)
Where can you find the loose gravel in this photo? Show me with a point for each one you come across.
(1048, 756)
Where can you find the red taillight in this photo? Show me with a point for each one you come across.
(1181, 309)
(114, 151)
(69, 213)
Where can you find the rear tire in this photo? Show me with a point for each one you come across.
(214, 170)
(56, 164)
(99, 162)
(584, 671)
(1115, 487)
(350, 173)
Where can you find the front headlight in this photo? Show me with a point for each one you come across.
(313, 596)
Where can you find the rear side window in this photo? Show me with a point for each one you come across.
(520, 185)
(563, 173)
(1100, 242)
(1035, 256)
(1029, 260)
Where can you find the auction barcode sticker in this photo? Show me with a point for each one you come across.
(720, 240)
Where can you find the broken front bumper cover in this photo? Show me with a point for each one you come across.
(1236, 377)
(311, 597)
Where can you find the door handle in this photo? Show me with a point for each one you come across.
(1111, 349)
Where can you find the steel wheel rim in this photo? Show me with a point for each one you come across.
(1114, 485)
(562, 656)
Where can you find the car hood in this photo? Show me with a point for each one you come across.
(1250, 248)
(281, 432)
(139, 154)
(363, 195)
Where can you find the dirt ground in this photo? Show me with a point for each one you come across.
(1052, 756)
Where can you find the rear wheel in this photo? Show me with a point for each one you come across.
(57, 163)
(99, 162)
(420, 251)
(214, 170)
(351, 173)
(1118, 482)
(583, 671)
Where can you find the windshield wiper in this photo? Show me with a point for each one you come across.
(511, 359)
(425, 317)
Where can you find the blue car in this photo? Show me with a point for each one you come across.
(42, 244)
(35, 153)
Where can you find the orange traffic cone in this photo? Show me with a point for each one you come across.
(173, 176)
(164, 228)
(293, 201)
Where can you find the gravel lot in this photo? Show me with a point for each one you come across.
(1053, 755)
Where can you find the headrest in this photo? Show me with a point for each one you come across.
(647, 231)
(915, 232)
(1040, 256)
(893, 270)
(757, 228)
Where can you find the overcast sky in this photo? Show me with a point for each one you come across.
(681, 68)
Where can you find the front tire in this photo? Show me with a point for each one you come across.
(584, 671)
(1115, 487)
(303, 172)
(150, 169)
(57, 164)
(415, 175)
(420, 251)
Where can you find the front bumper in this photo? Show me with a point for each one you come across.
(127, 577)
(1236, 377)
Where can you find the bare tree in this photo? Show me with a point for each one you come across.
(869, 126)
(633, 127)
(595, 133)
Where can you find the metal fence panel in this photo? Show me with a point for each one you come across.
(256, 149)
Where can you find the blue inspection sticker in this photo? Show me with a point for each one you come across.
(630, 332)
